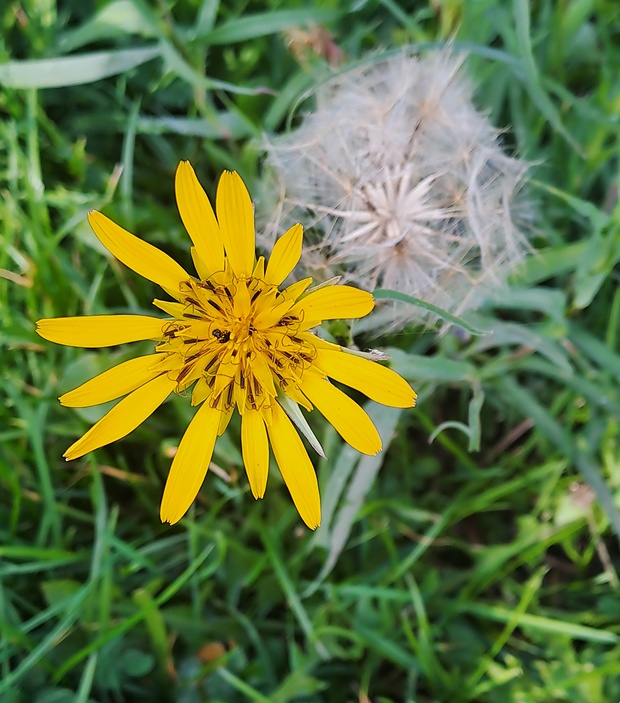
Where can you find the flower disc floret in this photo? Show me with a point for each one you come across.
(238, 340)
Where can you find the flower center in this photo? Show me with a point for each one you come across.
(237, 340)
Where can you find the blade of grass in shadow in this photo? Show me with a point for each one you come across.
(177, 64)
(87, 679)
(596, 350)
(35, 420)
(291, 593)
(422, 641)
(134, 619)
(521, 11)
(386, 647)
(530, 589)
(48, 643)
(527, 405)
(471, 431)
(242, 687)
(385, 420)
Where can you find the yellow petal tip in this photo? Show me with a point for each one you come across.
(168, 517)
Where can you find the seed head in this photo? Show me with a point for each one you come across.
(405, 185)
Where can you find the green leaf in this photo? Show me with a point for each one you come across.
(550, 301)
(596, 350)
(600, 257)
(59, 590)
(540, 338)
(542, 624)
(73, 70)
(533, 82)
(547, 263)
(385, 294)
(137, 663)
(266, 23)
(416, 368)
(118, 18)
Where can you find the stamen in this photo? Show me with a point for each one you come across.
(288, 320)
(210, 364)
(283, 381)
(183, 373)
(193, 357)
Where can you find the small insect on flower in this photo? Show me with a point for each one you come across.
(239, 340)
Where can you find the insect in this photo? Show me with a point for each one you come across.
(223, 337)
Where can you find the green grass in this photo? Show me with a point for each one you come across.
(479, 567)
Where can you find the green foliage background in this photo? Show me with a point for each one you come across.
(479, 567)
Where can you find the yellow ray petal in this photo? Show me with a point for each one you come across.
(285, 255)
(199, 219)
(259, 269)
(114, 383)
(235, 215)
(293, 291)
(100, 330)
(225, 416)
(255, 450)
(270, 315)
(349, 420)
(262, 373)
(174, 309)
(190, 464)
(124, 417)
(140, 256)
(241, 303)
(319, 343)
(335, 302)
(201, 268)
(201, 391)
(377, 382)
(295, 467)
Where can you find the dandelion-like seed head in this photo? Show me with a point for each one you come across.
(404, 183)
(239, 340)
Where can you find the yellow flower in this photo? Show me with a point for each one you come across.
(239, 340)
